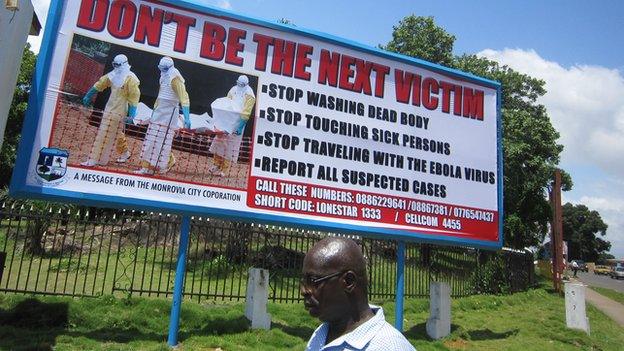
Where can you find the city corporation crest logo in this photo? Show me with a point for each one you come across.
(52, 165)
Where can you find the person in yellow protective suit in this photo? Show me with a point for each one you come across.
(156, 153)
(226, 147)
(122, 102)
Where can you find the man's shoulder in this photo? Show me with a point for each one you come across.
(389, 338)
(386, 336)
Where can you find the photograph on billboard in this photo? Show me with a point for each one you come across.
(98, 132)
(190, 109)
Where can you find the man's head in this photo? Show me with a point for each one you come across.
(242, 81)
(333, 282)
(165, 64)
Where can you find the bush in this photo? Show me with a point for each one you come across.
(491, 276)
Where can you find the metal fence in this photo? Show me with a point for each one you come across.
(63, 250)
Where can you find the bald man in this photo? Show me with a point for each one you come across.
(335, 290)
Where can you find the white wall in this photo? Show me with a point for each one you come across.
(14, 28)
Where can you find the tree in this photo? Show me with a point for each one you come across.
(603, 257)
(530, 149)
(419, 37)
(16, 116)
(581, 228)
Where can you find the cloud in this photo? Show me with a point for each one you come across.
(601, 204)
(612, 212)
(585, 103)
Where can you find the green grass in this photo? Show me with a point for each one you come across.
(533, 320)
(610, 293)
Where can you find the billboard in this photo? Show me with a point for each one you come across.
(175, 106)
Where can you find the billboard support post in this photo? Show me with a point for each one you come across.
(178, 287)
(398, 311)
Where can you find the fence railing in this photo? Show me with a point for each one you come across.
(63, 250)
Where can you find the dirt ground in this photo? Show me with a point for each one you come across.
(72, 132)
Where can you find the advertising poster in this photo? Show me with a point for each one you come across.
(174, 106)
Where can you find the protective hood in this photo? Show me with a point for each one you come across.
(242, 87)
(167, 70)
(121, 70)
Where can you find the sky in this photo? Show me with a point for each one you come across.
(575, 46)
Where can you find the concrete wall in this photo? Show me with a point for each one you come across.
(14, 28)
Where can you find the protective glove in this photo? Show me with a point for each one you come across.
(241, 127)
(187, 117)
(86, 101)
(132, 111)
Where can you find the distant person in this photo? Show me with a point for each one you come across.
(334, 288)
(123, 101)
(575, 267)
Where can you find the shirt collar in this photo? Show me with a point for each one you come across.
(360, 336)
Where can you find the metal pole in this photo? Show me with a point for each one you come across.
(400, 287)
(174, 319)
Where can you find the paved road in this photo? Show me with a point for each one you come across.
(602, 281)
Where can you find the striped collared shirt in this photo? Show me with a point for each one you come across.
(375, 334)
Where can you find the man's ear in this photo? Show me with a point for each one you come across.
(350, 281)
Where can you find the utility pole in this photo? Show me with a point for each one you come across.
(556, 235)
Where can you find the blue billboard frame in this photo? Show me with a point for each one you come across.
(19, 188)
